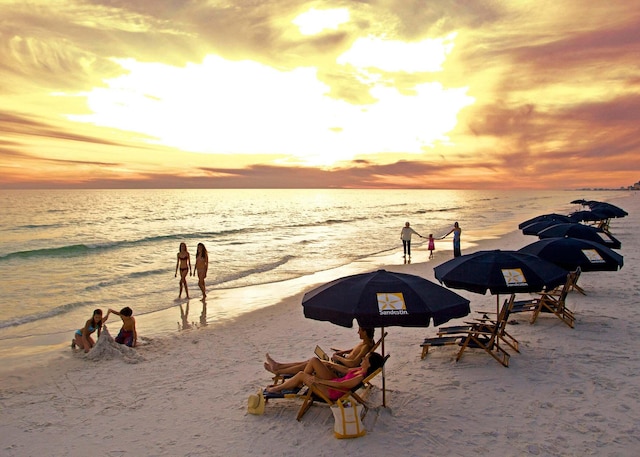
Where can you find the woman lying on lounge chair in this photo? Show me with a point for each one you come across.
(349, 358)
(325, 380)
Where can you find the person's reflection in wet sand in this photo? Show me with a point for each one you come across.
(184, 316)
(203, 316)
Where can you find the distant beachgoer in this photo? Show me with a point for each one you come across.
(82, 338)
(128, 334)
(348, 358)
(457, 231)
(202, 265)
(432, 245)
(405, 236)
(184, 263)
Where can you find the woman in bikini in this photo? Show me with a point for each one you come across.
(202, 265)
(82, 338)
(184, 263)
(348, 358)
(325, 380)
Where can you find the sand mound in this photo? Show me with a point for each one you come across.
(106, 348)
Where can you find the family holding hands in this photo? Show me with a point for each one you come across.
(407, 231)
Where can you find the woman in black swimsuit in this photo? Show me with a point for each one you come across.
(184, 263)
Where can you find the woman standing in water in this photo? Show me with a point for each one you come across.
(202, 265)
(184, 263)
(457, 231)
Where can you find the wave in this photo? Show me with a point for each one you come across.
(252, 271)
(125, 279)
(82, 249)
(45, 314)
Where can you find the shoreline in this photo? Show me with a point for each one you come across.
(227, 307)
(569, 392)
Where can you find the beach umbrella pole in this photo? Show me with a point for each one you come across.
(384, 391)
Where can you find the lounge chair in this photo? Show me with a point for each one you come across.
(551, 302)
(485, 323)
(482, 334)
(314, 394)
(278, 378)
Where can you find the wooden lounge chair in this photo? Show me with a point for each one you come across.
(551, 302)
(485, 323)
(314, 394)
(574, 275)
(483, 334)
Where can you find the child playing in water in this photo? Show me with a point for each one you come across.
(128, 335)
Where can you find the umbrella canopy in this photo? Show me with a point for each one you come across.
(593, 215)
(545, 217)
(500, 272)
(571, 253)
(536, 227)
(383, 299)
(584, 232)
(608, 209)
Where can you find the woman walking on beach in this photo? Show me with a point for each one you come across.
(457, 231)
(82, 337)
(184, 263)
(405, 236)
(202, 265)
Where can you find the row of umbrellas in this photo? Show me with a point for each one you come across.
(383, 298)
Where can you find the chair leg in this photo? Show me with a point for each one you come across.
(499, 354)
(306, 404)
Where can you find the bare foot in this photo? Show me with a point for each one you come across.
(268, 368)
(272, 389)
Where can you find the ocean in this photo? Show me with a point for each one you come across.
(64, 253)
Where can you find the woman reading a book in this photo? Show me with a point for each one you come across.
(340, 361)
(318, 374)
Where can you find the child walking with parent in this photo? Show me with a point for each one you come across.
(432, 245)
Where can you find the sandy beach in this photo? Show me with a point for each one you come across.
(570, 392)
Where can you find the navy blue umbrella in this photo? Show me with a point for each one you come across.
(584, 232)
(607, 208)
(536, 227)
(571, 253)
(588, 216)
(500, 272)
(383, 299)
(545, 217)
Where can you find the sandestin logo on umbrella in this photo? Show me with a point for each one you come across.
(593, 256)
(391, 303)
(514, 277)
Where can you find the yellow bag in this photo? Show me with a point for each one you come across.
(348, 423)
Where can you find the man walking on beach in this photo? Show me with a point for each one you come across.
(405, 236)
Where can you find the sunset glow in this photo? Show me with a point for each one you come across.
(490, 95)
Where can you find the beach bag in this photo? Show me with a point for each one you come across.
(348, 423)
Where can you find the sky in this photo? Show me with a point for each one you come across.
(447, 94)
